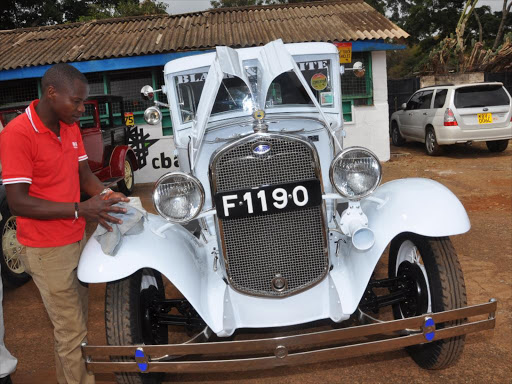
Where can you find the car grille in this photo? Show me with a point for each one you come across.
(292, 244)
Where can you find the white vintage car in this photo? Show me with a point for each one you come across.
(271, 223)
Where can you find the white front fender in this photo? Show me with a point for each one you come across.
(178, 255)
(421, 206)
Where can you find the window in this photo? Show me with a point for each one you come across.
(128, 84)
(18, 91)
(481, 96)
(357, 91)
(440, 98)
(96, 83)
(426, 99)
(414, 101)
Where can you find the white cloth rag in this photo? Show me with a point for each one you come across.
(133, 223)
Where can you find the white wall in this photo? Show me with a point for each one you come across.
(369, 127)
(159, 158)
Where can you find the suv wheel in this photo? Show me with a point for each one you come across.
(497, 145)
(431, 264)
(433, 149)
(396, 137)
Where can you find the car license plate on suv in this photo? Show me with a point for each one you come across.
(268, 199)
(484, 118)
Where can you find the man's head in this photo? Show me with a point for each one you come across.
(64, 90)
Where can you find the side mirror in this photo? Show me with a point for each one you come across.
(147, 92)
(359, 69)
(404, 106)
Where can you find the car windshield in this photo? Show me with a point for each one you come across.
(234, 95)
(481, 96)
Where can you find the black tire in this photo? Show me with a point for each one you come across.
(126, 319)
(13, 271)
(127, 183)
(447, 291)
(497, 145)
(396, 137)
(431, 145)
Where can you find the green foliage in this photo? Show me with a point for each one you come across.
(33, 13)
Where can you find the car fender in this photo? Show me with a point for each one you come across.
(175, 253)
(117, 160)
(421, 206)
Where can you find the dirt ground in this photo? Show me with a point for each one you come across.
(481, 180)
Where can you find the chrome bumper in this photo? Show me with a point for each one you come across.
(290, 350)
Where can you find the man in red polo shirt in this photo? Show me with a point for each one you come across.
(44, 168)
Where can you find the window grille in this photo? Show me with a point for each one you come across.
(18, 91)
(96, 84)
(357, 90)
(128, 84)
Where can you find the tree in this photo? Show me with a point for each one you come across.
(499, 35)
(34, 13)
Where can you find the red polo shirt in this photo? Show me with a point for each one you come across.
(31, 153)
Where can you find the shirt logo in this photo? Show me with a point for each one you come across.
(75, 144)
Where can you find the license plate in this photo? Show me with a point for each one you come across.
(484, 118)
(268, 199)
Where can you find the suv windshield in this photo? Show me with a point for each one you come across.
(481, 96)
(285, 91)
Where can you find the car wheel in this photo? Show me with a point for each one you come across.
(432, 266)
(433, 149)
(129, 318)
(13, 271)
(126, 185)
(497, 145)
(396, 137)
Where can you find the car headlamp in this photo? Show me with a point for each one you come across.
(178, 197)
(355, 173)
(152, 115)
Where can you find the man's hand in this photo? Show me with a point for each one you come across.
(113, 194)
(97, 208)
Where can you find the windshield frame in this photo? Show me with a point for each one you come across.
(335, 85)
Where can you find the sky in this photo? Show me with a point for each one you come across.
(184, 6)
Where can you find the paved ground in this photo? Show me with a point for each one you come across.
(483, 182)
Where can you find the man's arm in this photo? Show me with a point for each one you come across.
(94, 209)
(89, 183)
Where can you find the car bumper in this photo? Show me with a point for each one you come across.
(455, 134)
(290, 350)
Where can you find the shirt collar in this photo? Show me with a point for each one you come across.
(36, 122)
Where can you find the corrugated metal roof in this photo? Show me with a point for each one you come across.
(342, 20)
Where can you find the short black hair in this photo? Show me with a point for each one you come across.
(60, 74)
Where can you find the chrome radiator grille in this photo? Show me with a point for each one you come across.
(257, 248)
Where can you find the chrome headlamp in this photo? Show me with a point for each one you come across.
(152, 115)
(178, 197)
(355, 173)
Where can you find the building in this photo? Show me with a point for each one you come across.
(119, 56)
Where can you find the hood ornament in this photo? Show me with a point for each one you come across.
(259, 122)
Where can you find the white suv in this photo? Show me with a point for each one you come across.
(450, 114)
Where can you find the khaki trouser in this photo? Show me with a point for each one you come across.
(65, 299)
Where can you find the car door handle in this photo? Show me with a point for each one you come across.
(425, 113)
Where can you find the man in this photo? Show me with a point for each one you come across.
(44, 168)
